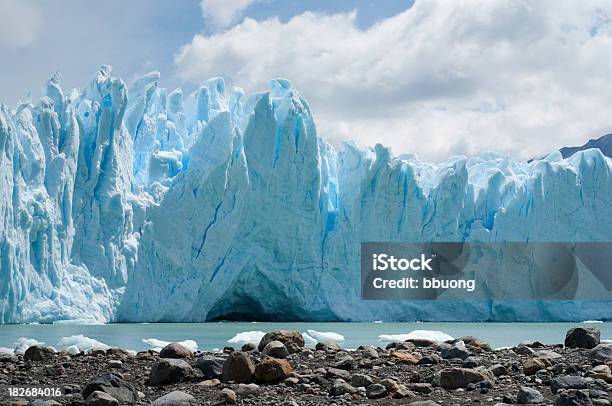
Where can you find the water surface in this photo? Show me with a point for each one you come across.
(211, 336)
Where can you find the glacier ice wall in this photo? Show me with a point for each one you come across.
(141, 204)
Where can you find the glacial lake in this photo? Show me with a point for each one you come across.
(214, 336)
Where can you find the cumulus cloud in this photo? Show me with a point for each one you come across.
(20, 23)
(223, 13)
(438, 79)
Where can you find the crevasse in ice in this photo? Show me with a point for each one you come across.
(141, 204)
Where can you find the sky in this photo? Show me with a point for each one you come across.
(436, 78)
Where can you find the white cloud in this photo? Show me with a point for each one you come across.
(20, 23)
(223, 13)
(440, 78)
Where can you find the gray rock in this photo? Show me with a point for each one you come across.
(275, 349)
(376, 391)
(419, 387)
(175, 398)
(170, 370)
(38, 353)
(238, 367)
(8, 357)
(211, 366)
(601, 353)
(576, 398)
(247, 389)
(429, 360)
(339, 388)
(99, 398)
(547, 354)
(498, 370)
(424, 403)
(454, 351)
(333, 373)
(346, 363)
(358, 380)
(568, 382)
(248, 347)
(174, 350)
(529, 396)
(403, 392)
(41, 402)
(114, 386)
(370, 352)
(471, 362)
(115, 364)
(523, 350)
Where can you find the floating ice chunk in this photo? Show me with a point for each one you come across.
(592, 322)
(308, 340)
(6, 350)
(253, 337)
(81, 342)
(23, 343)
(430, 335)
(73, 350)
(325, 336)
(157, 345)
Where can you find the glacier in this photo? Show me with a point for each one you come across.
(144, 205)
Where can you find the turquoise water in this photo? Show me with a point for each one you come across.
(210, 336)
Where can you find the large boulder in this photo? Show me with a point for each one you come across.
(112, 385)
(582, 337)
(272, 370)
(175, 398)
(211, 366)
(529, 396)
(38, 353)
(293, 340)
(175, 350)
(568, 382)
(454, 378)
(170, 370)
(601, 353)
(238, 367)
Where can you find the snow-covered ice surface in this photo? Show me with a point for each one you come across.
(141, 204)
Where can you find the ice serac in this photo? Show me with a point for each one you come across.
(141, 204)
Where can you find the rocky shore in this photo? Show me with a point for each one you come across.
(282, 371)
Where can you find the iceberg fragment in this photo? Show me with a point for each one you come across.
(431, 335)
(247, 337)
